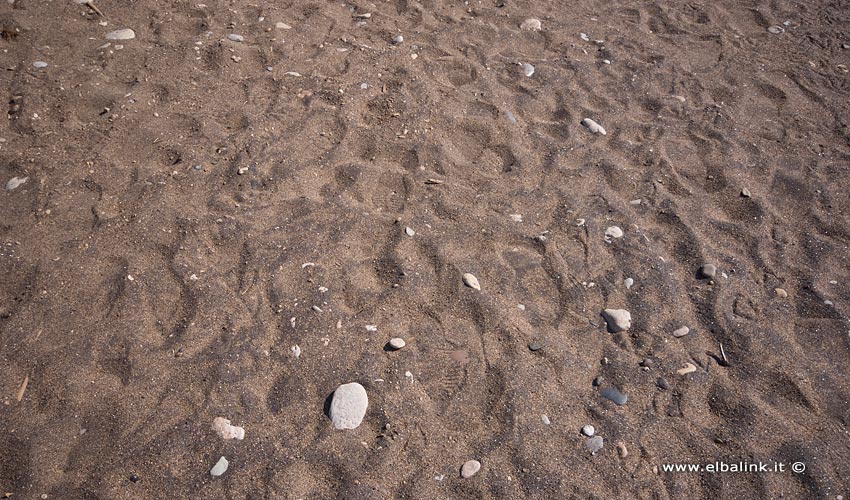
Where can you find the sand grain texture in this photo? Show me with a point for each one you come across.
(168, 289)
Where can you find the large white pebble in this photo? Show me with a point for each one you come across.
(471, 281)
(348, 406)
(470, 468)
(618, 319)
(223, 428)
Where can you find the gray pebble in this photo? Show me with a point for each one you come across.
(615, 396)
(39, 64)
(707, 271)
(662, 383)
(235, 38)
(618, 320)
(595, 444)
(535, 346)
(588, 430)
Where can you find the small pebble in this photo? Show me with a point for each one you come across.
(584, 37)
(681, 332)
(535, 346)
(125, 34)
(398, 39)
(282, 26)
(746, 193)
(628, 282)
(707, 271)
(39, 64)
(593, 126)
(470, 468)
(220, 467)
(516, 217)
(471, 281)
(597, 382)
(613, 232)
(776, 30)
(409, 231)
(622, 450)
(134, 478)
(618, 320)
(662, 383)
(781, 293)
(242, 170)
(545, 419)
(223, 428)
(531, 24)
(397, 343)
(15, 183)
(235, 38)
(595, 444)
(688, 368)
(588, 430)
(527, 69)
(615, 396)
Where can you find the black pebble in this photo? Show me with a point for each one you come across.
(134, 478)
(662, 383)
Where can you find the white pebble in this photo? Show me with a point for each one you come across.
(588, 430)
(527, 69)
(516, 217)
(471, 281)
(398, 39)
(681, 332)
(545, 419)
(613, 232)
(348, 406)
(296, 351)
(409, 231)
(470, 468)
(618, 319)
(531, 24)
(220, 467)
(235, 38)
(628, 282)
(397, 343)
(593, 126)
(282, 26)
(15, 182)
(39, 64)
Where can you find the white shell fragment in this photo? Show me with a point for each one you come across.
(220, 467)
(471, 281)
(593, 126)
(223, 428)
(15, 182)
(348, 406)
(125, 34)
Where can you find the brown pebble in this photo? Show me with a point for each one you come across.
(782, 293)
(622, 450)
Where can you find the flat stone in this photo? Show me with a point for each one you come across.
(688, 368)
(531, 24)
(124, 34)
(220, 467)
(235, 38)
(282, 26)
(223, 428)
(471, 281)
(39, 64)
(708, 271)
(681, 332)
(470, 468)
(397, 343)
(595, 444)
(15, 183)
(588, 430)
(618, 320)
(593, 126)
(615, 396)
(348, 406)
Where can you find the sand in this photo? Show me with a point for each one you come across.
(190, 198)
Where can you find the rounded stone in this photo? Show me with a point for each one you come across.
(397, 343)
(531, 24)
(125, 34)
(470, 468)
(588, 430)
(681, 332)
(348, 406)
(535, 346)
(615, 396)
(471, 281)
(39, 64)
(662, 383)
(398, 39)
(595, 444)
(628, 282)
(614, 232)
(235, 38)
(708, 270)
